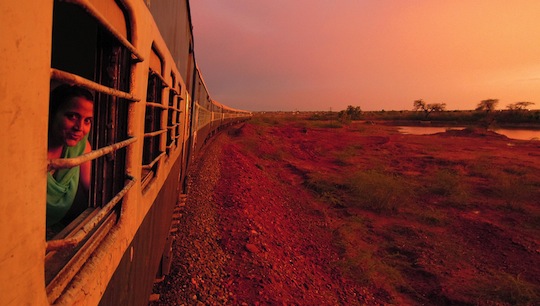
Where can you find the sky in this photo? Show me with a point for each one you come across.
(309, 55)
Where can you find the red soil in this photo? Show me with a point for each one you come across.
(253, 234)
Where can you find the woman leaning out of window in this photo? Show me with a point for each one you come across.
(71, 112)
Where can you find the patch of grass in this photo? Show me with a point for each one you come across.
(264, 121)
(429, 216)
(449, 185)
(343, 157)
(265, 149)
(516, 186)
(481, 167)
(366, 268)
(506, 288)
(515, 170)
(274, 154)
(371, 190)
(251, 145)
(327, 124)
(361, 263)
(444, 183)
(515, 190)
(328, 189)
(533, 222)
(378, 191)
(358, 128)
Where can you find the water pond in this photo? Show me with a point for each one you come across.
(521, 134)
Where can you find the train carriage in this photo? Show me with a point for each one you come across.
(151, 113)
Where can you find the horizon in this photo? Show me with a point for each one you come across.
(308, 55)
(381, 110)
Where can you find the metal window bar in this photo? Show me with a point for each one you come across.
(153, 104)
(103, 21)
(70, 78)
(151, 164)
(77, 237)
(62, 163)
(172, 99)
(170, 127)
(152, 134)
(155, 73)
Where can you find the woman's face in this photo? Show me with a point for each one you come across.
(73, 121)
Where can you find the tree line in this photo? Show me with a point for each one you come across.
(487, 105)
(485, 113)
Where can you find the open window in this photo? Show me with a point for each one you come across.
(173, 116)
(94, 53)
(153, 125)
(178, 117)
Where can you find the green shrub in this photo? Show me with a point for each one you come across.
(515, 191)
(450, 186)
(378, 191)
(343, 157)
(328, 189)
(328, 124)
(506, 288)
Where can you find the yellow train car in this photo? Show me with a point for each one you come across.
(151, 113)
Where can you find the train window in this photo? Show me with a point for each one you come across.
(91, 54)
(178, 116)
(173, 116)
(173, 94)
(204, 115)
(153, 127)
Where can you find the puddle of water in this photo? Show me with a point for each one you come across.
(510, 133)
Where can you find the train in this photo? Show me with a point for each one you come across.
(152, 114)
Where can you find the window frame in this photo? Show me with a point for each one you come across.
(173, 116)
(69, 249)
(154, 125)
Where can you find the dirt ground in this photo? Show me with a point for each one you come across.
(252, 233)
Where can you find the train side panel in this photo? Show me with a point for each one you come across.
(24, 83)
(132, 281)
(175, 27)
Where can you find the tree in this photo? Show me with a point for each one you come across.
(351, 113)
(436, 107)
(487, 105)
(518, 106)
(420, 105)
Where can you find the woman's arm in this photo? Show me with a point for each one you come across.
(86, 169)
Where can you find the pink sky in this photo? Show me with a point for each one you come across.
(376, 54)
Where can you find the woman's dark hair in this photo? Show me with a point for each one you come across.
(63, 93)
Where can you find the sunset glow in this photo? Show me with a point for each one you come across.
(317, 55)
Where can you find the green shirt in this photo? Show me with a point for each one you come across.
(62, 185)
